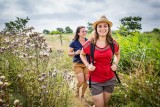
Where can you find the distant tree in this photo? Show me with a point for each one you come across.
(123, 31)
(89, 27)
(55, 32)
(45, 31)
(60, 30)
(156, 30)
(68, 29)
(131, 23)
(17, 25)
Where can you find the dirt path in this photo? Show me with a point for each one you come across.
(84, 102)
(87, 100)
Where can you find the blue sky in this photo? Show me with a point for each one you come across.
(51, 14)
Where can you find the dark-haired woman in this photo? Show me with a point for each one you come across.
(79, 68)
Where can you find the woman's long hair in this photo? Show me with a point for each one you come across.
(109, 38)
(76, 37)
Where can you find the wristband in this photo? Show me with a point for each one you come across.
(116, 65)
(87, 65)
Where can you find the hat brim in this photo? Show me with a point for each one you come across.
(101, 21)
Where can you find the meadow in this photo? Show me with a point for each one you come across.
(36, 71)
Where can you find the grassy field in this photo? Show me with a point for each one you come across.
(139, 69)
(35, 71)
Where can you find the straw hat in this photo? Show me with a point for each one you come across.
(102, 19)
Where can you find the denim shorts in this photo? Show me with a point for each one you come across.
(98, 88)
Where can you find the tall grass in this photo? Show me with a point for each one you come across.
(140, 71)
(26, 62)
(41, 78)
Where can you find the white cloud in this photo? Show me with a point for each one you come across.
(50, 14)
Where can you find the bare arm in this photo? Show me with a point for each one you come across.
(72, 53)
(117, 58)
(116, 61)
(84, 60)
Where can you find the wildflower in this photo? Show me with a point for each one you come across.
(2, 48)
(16, 102)
(2, 96)
(21, 56)
(54, 74)
(44, 87)
(125, 96)
(25, 55)
(6, 40)
(140, 91)
(2, 77)
(30, 57)
(5, 83)
(47, 92)
(43, 75)
(1, 83)
(41, 79)
(41, 53)
(1, 102)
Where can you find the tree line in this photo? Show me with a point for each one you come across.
(129, 25)
(67, 30)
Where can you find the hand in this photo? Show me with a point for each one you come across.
(77, 52)
(91, 67)
(114, 67)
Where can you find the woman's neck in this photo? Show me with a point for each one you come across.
(101, 42)
(103, 39)
(81, 39)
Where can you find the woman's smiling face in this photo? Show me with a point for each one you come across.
(82, 32)
(102, 29)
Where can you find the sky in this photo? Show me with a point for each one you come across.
(52, 14)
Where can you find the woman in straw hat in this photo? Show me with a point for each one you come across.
(101, 72)
(79, 68)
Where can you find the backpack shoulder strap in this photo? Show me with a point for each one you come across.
(112, 48)
(92, 48)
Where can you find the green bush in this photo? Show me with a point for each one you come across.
(140, 71)
(55, 32)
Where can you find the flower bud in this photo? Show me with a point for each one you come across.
(16, 102)
(1, 102)
(2, 77)
(1, 83)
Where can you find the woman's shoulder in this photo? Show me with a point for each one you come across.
(115, 42)
(74, 41)
(86, 44)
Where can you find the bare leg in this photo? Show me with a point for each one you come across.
(98, 100)
(85, 85)
(84, 88)
(107, 97)
(80, 78)
(77, 89)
